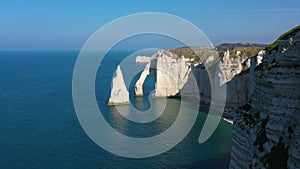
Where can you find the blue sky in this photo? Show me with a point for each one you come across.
(63, 25)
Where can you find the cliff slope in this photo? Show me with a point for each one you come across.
(266, 131)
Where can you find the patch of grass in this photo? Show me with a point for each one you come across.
(274, 45)
(247, 52)
(196, 54)
(269, 67)
(186, 52)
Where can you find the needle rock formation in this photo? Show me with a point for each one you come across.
(119, 93)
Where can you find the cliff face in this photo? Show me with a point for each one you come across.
(231, 66)
(238, 85)
(171, 75)
(139, 84)
(266, 131)
(173, 72)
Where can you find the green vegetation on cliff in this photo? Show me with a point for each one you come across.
(199, 54)
(246, 52)
(271, 63)
(269, 67)
(274, 45)
(184, 51)
(231, 46)
(195, 54)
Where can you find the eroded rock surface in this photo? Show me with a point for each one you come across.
(173, 72)
(266, 131)
(119, 93)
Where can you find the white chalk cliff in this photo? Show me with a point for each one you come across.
(266, 131)
(171, 72)
(143, 59)
(140, 82)
(266, 128)
(171, 75)
(119, 93)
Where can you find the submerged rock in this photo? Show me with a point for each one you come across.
(119, 93)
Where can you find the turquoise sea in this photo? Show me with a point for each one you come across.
(39, 128)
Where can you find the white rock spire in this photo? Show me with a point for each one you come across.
(119, 93)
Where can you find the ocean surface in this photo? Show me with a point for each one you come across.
(39, 127)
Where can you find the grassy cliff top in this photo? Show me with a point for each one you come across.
(231, 46)
(197, 54)
(247, 52)
(274, 45)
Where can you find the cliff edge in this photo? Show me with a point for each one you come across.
(266, 131)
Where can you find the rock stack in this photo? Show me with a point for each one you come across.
(119, 93)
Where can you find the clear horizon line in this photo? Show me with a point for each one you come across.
(128, 48)
(266, 10)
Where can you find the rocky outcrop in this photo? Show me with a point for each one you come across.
(239, 87)
(173, 71)
(255, 61)
(119, 93)
(143, 59)
(171, 75)
(231, 66)
(266, 131)
(139, 84)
